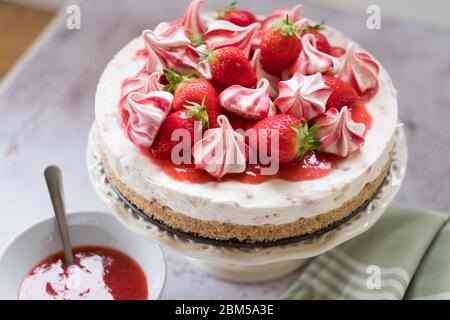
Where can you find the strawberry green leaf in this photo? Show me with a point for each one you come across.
(198, 111)
(286, 27)
(317, 27)
(197, 39)
(208, 56)
(307, 138)
(175, 78)
(223, 11)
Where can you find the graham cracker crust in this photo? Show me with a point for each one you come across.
(245, 233)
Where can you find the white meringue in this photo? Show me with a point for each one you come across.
(303, 96)
(248, 102)
(359, 70)
(222, 150)
(146, 114)
(338, 132)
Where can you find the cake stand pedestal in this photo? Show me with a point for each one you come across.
(249, 264)
(248, 273)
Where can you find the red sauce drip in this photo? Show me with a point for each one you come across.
(100, 273)
(141, 54)
(360, 113)
(314, 165)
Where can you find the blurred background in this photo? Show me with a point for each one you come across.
(48, 77)
(38, 13)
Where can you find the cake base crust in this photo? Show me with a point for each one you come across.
(245, 233)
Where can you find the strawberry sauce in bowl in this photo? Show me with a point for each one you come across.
(110, 263)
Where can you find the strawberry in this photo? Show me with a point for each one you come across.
(337, 52)
(295, 138)
(342, 94)
(188, 90)
(229, 66)
(242, 18)
(182, 119)
(322, 43)
(280, 45)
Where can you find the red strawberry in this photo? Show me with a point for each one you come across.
(182, 119)
(342, 94)
(337, 52)
(322, 43)
(295, 138)
(239, 17)
(280, 45)
(229, 66)
(193, 90)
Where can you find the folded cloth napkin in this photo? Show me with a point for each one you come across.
(405, 255)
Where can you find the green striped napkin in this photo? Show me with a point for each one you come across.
(405, 255)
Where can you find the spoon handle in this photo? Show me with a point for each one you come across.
(55, 188)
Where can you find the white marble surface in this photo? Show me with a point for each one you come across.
(46, 105)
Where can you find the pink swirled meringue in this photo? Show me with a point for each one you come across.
(339, 134)
(222, 33)
(262, 74)
(169, 47)
(248, 102)
(303, 96)
(146, 114)
(311, 60)
(143, 83)
(192, 20)
(294, 15)
(359, 70)
(222, 150)
(166, 44)
(193, 63)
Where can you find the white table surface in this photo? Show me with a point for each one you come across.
(47, 107)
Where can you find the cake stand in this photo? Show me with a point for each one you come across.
(247, 263)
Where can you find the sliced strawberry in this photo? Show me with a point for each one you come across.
(322, 43)
(295, 138)
(229, 66)
(342, 94)
(194, 90)
(239, 17)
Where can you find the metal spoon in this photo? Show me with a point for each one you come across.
(55, 188)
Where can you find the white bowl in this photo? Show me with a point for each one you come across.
(41, 240)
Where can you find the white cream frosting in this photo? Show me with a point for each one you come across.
(275, 201)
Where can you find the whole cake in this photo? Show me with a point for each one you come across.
(234, 127)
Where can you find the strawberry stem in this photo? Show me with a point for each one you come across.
(224, 10)
(199, 111)
(307, 138)
(209, 56)
(287, 27)
(317, 27)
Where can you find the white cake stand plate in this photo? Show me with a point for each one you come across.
(249, 264)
